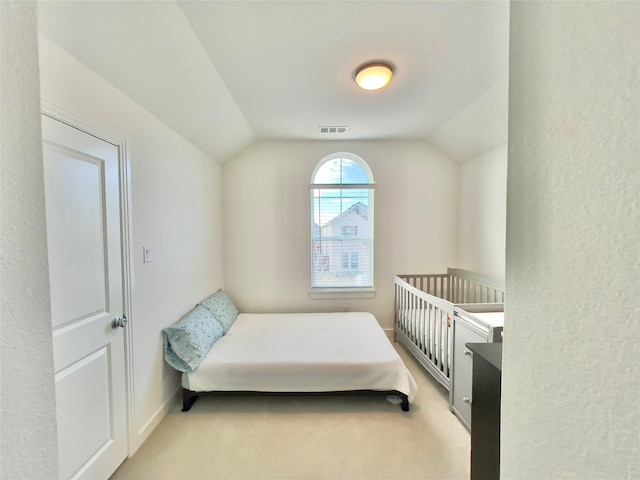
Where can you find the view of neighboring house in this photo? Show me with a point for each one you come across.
(343, 249)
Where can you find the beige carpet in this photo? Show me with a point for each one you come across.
(338, 437)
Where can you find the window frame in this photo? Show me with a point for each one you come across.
(342, 291)
(350, 230)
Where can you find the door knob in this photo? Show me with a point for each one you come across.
(119, 322)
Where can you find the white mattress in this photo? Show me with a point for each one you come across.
(495, 319)
(303, 352)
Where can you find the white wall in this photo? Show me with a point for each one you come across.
(478, 128)
(28, 442)
(571, 357)
(483, 213)
(176, 205)
(267, 221)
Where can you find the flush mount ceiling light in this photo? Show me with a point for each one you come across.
(373, 76)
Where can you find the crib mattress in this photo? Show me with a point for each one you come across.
(303, 352)
(495, 319)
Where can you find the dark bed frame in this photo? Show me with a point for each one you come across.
(189, 397)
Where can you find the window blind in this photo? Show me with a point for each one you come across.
(342, 225)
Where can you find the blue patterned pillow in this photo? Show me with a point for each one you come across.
(187, 342)
(222, 308)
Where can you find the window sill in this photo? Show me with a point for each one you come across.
(328, 293)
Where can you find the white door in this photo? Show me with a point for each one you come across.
(85, 264)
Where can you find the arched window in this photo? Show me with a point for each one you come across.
(342, 223)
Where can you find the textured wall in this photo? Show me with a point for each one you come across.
(267, 221)
(28, 397)
(483, 213)
(571, 352)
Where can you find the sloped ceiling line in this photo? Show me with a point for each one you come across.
(225, 74)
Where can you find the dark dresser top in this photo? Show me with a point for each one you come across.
(491, 352)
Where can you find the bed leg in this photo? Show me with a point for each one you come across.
(188, 399)
(405, 402)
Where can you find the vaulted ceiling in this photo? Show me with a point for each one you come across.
(224, 74)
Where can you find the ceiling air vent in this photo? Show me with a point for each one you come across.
(324, 130)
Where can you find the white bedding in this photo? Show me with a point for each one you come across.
(495, 319)
(310, 352)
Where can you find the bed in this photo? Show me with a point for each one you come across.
(297, 353)
(425, 305)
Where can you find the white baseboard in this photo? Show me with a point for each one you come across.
(156, 418)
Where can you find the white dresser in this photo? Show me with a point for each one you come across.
(469, 326)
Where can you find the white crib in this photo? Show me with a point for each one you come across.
(424, 309)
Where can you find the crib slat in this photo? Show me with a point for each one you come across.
(421, 321)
